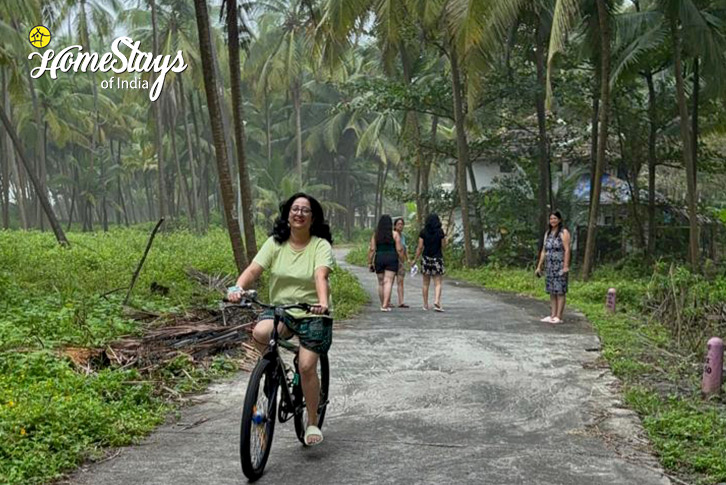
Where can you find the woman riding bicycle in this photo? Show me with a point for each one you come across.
(299, 258)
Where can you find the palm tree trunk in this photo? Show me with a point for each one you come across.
(104, 212)
(544, 192)
(602, 136)
(6, 159)
(40, 131)
(413, 127)
(183, 184)
(462, 155)
(239, 128)
(215, 115)
(268, 127)
(594, 127)
(651, 163)
(687, 147)
(694, 119)
(42, 196)
(5, 185)
(427, 167)
(192, 169)
(19, 192)
(379, 190)
(203, 179)
(297, 103)
(158, 134)
(74, 196)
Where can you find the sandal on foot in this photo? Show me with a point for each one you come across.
(438, 308)
(385, 309)
(313, 431)
(403, 305)
(546, 320)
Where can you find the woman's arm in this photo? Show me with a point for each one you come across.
(245, 280)
(419, 249)
(371, 250)
(399, 247)
(322, 288)
(249, 275)
(566, 244)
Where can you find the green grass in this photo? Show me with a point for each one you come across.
(52, 416)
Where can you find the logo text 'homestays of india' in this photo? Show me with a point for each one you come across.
(73, 58)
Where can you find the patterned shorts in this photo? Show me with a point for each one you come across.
(433, 266)
(315, 333)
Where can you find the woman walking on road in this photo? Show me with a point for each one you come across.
(398, 225)
(385, 253)
(432, 242)
(556, 251)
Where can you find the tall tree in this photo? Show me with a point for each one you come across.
(37, 186)
(215, 116)
(233, 42)
(686, 140)
(158, 125)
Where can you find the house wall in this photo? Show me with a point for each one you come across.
(484, 172)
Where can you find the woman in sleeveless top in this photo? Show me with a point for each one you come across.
(556, 252)
(388, 251)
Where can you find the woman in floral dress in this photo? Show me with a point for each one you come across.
(556, 252)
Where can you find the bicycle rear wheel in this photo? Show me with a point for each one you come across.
(301, 419)
(258, 419)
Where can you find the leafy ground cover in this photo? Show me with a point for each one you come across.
(53, 415)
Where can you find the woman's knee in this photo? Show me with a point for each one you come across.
(262, 331)
(308, 364)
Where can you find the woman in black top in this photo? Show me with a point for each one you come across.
(388, 250)
(431, 242)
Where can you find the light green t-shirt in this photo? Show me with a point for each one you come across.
(292, 272)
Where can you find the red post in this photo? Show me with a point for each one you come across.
(610, 301)
(713, 367)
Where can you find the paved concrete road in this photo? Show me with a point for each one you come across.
(483, 393)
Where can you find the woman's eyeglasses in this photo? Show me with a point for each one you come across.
(301, 210)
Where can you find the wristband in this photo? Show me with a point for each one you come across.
(234, 289)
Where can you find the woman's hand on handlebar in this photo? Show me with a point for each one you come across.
(235, 294)
(319, 309)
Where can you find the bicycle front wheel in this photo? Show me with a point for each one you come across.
(258, 419)
(301, 419)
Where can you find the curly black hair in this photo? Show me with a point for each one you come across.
(320, 228)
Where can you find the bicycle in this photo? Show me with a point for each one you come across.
(270, 375)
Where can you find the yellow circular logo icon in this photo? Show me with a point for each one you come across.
(39, 36)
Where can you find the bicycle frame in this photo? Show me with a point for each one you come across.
(280, 374)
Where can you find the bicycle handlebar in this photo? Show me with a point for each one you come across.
(249, 297)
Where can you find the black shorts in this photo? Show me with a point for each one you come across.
(386, 262)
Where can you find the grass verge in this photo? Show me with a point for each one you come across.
(54, 416)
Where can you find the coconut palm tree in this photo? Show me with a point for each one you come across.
(234, 16)
(215, 115)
